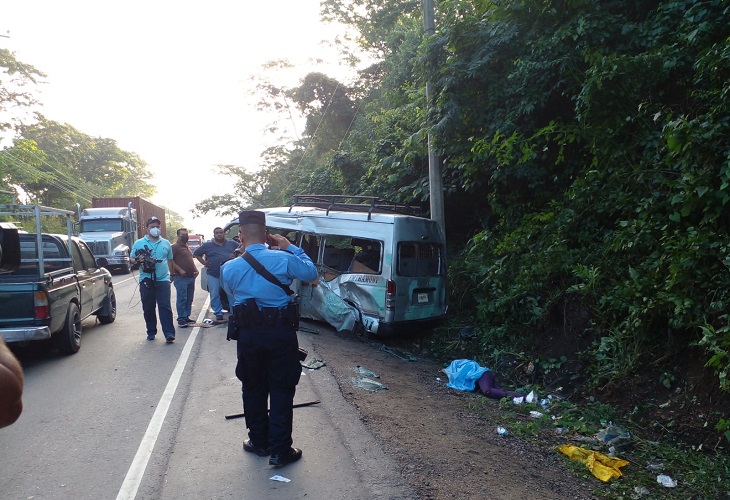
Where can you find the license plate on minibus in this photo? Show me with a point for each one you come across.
(423, 298)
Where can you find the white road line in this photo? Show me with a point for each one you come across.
(124, 280)
(136, 471)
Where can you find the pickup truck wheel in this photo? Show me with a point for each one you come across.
(68, 340)
(110, 308)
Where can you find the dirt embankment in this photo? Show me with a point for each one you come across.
(445, 451)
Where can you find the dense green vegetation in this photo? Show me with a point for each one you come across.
(586, 163)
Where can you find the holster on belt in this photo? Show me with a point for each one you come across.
(247, 314)
(232, 333)
(292, 311)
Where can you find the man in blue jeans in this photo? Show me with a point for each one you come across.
(183, 277)
(212, 254)
(154, 279)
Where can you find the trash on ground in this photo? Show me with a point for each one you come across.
(368, 384)
(399, 353)
(313, 363)
(613, 436)
(641, 490)
(502, 431)
(601, 466)
(361, 370)
(468, 332)
(307, 329)
(208, 321)
(530, 398)
(535, 414)
(666, 481)
(280, 478)
(546, 402)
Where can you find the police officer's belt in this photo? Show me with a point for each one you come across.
(248, 314)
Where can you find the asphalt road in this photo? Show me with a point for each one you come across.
(129, 418)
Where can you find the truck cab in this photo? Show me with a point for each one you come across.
(110, 233)
(194, 241)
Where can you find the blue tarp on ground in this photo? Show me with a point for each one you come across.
(463, 374)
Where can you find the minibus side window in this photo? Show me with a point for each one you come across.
(417, 259)
(338, 253)
(345, 254)
(310, 245)
(367, 256)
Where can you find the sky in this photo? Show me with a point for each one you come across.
(169, 80)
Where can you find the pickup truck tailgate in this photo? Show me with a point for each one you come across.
(16, 303)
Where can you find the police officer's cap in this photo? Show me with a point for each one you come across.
(151, 220)
(252, 217)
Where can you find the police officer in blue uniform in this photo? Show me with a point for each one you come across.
(264, 320)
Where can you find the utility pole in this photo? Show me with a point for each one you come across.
(435, 181)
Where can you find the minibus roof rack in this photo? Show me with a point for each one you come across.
(369, 204)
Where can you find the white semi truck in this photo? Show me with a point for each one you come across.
(112, 225)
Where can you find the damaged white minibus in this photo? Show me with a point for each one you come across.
(381, 268)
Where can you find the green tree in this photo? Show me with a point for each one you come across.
(595, 137)
(373, 21)
(57, 165)
(174, 222)
(16, 96)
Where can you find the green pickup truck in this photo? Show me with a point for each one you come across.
(52, 291)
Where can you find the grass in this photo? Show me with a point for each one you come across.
(700, 475)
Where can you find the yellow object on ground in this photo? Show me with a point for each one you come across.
(601, 466)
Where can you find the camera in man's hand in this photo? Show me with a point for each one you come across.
(148, 262)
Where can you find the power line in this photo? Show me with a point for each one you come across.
(53, 180)
(91, 150)
(61, 178)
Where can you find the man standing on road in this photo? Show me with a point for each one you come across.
(154, 255)
(212, 254)
(183, 277)
(268, 352)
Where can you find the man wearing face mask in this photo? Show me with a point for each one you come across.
(183, 277)
(153, 254)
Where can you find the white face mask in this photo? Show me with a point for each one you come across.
(155, 232)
